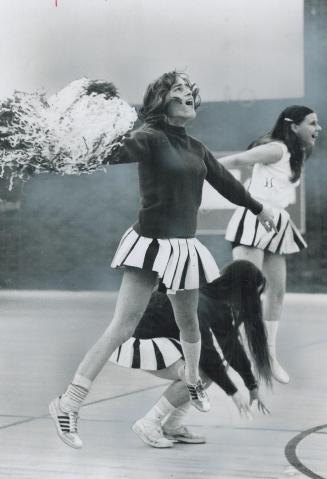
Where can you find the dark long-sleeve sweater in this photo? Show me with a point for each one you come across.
(172, 168)
(215, 317)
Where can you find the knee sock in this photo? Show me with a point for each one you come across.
(160, 410)
(192, 353)
(175, 419)
(75, 394)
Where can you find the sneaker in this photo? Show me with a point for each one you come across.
(198, 396)
(66, 424)
(183, 434)
(151, 433)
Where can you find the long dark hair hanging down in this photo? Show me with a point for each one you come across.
(282, 131)
(241, 285)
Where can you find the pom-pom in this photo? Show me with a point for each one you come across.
(72, 132)
(24, 136)
(89, 119)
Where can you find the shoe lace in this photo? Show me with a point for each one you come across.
(73, 418)
(197, 390)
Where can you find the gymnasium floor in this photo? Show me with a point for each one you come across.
(43, 335)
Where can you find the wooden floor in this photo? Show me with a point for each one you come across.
(43, 336)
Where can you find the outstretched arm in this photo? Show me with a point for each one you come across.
(212, 363)
(131, 148)
(237, 358)
(225, 183)
(214, 367)
(265, 154)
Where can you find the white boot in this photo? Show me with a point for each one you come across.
(277, 371)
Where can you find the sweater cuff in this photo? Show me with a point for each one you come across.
(256, 207)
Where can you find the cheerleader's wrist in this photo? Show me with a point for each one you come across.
(257, 207)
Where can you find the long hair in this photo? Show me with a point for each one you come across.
(283, 131)
(154, 105)
(241, 285)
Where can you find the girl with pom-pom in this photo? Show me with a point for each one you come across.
(161, 244)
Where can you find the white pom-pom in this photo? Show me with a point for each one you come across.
(87, 126)
(70, 133)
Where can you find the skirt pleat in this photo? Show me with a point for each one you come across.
(172, 264)
(181, 263)
(192, 272)
(182, 259)
(245, 229)
(124, 353)
(209, 265)
(162, 258)
(126, 244)
(148, 354)
(137, 255)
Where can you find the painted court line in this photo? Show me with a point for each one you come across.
(110, 398)
(291, 454)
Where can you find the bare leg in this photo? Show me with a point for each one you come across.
(274, 269)
(255, 255)
(134, 295)
(185, 304)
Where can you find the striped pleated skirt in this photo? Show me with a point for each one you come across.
(245, 229)
(181, 263)
(148, 354)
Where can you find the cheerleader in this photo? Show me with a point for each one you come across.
(277, 160)
(172, 167)
(225, 304)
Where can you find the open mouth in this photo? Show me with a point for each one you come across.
(188, 102)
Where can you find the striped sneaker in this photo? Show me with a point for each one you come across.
(150, 432)
(198, 396)
(66, 424)
(183, 434)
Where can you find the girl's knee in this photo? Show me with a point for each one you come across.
(191, 327)
(275, 291)
(122, 329)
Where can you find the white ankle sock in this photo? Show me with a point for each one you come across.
(160, 410)
(175, 419)
(75, 394)
(192, 353)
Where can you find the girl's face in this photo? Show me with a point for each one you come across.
(308, 130)
(180, 103)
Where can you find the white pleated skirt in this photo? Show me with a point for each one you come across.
(181, 263)
(245, 229)
(148, 354)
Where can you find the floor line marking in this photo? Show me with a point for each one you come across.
(91, 403)
(291, 454)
